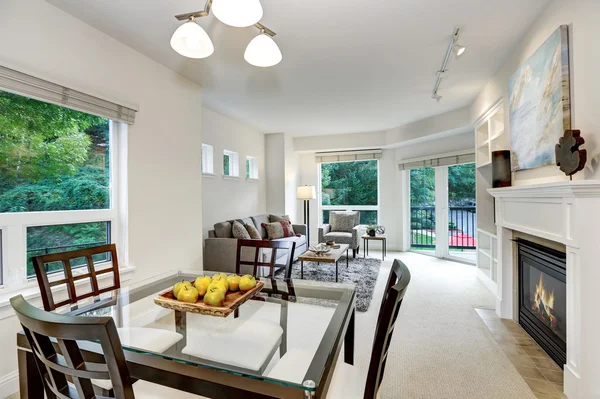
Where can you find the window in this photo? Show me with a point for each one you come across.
(251, 168)
(230, 164)
(350, 186)
(207, 159)
(57, 181)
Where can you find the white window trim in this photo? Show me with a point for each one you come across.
(14, 225)
(208, 164)
(253, 168)
(234, 164)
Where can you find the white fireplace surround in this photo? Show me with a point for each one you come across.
(567, 213)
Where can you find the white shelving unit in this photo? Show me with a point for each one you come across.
(489, 136)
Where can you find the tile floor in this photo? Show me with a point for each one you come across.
(541, 373)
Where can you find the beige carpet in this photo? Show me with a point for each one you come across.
(441, 348)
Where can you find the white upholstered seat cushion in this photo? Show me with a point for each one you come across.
(149, 339)
(147, 390)
(292, 366)
(236, 342)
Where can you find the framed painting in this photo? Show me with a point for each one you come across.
(539, 103)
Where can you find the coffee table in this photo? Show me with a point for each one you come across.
(332, 257)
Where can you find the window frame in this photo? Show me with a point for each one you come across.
(14, 224)
(208, 164)
(234, 164)
(322, 207)
(251, 168)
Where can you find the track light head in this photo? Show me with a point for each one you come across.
(436, 97)
(459, 50)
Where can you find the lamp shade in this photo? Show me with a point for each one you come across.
(262, 51)
(238, 13)
(191, 41)
(306, 193)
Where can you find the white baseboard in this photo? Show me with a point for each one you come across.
(9, 384)
(571, 383)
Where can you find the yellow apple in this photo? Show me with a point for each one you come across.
(234, 282)
(201, 284)
(221, 279)
(188, 294)
(214, 297)
(220, 285)
(179, 286)
(247, 283)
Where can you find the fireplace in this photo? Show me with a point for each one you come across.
(543, 297)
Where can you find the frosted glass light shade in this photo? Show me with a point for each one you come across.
(262, 51)
(238, 13)
(191, 41)
(306, 192)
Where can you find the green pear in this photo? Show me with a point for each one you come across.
(179, 286)
(214, 297)
(247, 283)
(188, 294)
(234, 282)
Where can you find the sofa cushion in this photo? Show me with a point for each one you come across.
(239, 231)
(254, 234)
(258, 221)
(246, 221)
(299, 240)
(223, 230)
(343, 221)
(339, 237)
(275, 218)
(279, 229)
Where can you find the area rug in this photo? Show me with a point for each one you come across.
(361, 272)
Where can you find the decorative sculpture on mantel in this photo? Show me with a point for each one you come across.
(569, 158)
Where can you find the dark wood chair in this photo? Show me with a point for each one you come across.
(39, 264)
(388, 313)
(54, 368)
(63, 371)
(258, 246)
(298, 361)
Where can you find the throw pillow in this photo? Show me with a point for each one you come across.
(342, 221)
(275, 218)
(280, 229)
(253, 232)
(239, 231)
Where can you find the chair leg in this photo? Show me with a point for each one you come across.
(354, 253)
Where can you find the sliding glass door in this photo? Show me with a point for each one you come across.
(443, 212)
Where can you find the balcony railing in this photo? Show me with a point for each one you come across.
(461, 227)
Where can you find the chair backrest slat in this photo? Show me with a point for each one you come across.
(53, 340)
(39, 264)
(258, 246)
(388, 313)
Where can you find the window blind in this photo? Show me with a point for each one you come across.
(438, 161)
(347, 156)
(30, 86)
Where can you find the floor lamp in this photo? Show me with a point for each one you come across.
(306, 193)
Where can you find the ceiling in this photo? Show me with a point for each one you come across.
(348, 65)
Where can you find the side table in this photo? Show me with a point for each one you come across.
(379, 237)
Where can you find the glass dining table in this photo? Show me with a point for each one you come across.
(283, 343)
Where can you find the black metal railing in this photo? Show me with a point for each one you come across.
(462, 224)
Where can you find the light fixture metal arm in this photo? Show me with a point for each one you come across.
(196, 14)
(443, 69)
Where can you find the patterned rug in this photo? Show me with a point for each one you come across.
(360, 272)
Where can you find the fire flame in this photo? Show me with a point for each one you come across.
(543, 302)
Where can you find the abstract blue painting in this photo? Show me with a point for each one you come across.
(539, 103)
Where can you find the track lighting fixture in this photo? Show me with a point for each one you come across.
(191, 41)
(455, 48)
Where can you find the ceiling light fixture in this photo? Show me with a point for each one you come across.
(452, 47)
(237, 13)
(190, 40)
(262, 51)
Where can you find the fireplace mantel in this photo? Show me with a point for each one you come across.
(568, 213)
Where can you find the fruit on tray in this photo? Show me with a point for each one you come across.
(220, 285)
(188, 294)
(202, 283)
(179, 286)
(234, 282)
(214, 297)
(221, 278)
(247, 283)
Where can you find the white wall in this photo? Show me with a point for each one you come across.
(292, 175)
(165, 184)
(226, 198)
(582, 18)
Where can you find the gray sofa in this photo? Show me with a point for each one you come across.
(220, 248)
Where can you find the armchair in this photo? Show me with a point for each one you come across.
(344, 228)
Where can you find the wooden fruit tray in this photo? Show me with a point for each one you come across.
(232, 301)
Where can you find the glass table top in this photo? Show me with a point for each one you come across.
(303, 316)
